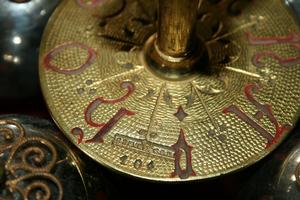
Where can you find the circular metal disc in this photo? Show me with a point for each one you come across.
(109, 104)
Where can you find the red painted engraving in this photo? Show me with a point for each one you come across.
(89, 3)
(263, 110)
(180, 114)
(101, 100)
(106, 127)
(178, 147)
(54, 52)
(78, 132)
(292, 38)
(98, 138)
(286, 62)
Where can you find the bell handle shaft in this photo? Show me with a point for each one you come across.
(176, 26)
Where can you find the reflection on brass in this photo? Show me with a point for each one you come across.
(125, 23)
(177, 20)
(30, 160)
(297, 174)
(139, 114)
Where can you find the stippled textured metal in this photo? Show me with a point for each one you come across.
(112, 107)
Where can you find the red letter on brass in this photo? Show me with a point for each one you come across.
(178, 147)
(263, 110)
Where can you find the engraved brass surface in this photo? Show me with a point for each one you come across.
(110, 104)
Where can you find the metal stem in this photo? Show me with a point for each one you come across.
(177, 19)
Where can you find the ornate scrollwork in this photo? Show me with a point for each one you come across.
(28, 164)
(10, 133)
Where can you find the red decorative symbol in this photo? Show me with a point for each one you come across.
(105, 127)
(286, 62)
(54, 52)
(292, 39)
(263, 110)
(178, 147)
(180, 114)
(79, 133)
(89, 3)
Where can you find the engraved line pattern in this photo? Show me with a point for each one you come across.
(113, 77)
(180, 145)
(141, 146)
(157, 102)
(292, 38)
(244, 72)
(205, 108)
(78, 132)
(263, 110)
(285, 62)
(230, 156)
(101, 100)
(104, 128)
(238, 29)
(54, 52)
(98, 138)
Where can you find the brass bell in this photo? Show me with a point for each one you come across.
(173, 90)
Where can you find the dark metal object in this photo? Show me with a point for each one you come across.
(36, 162)
(278, 177)
(295, 5)
(21, 25)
